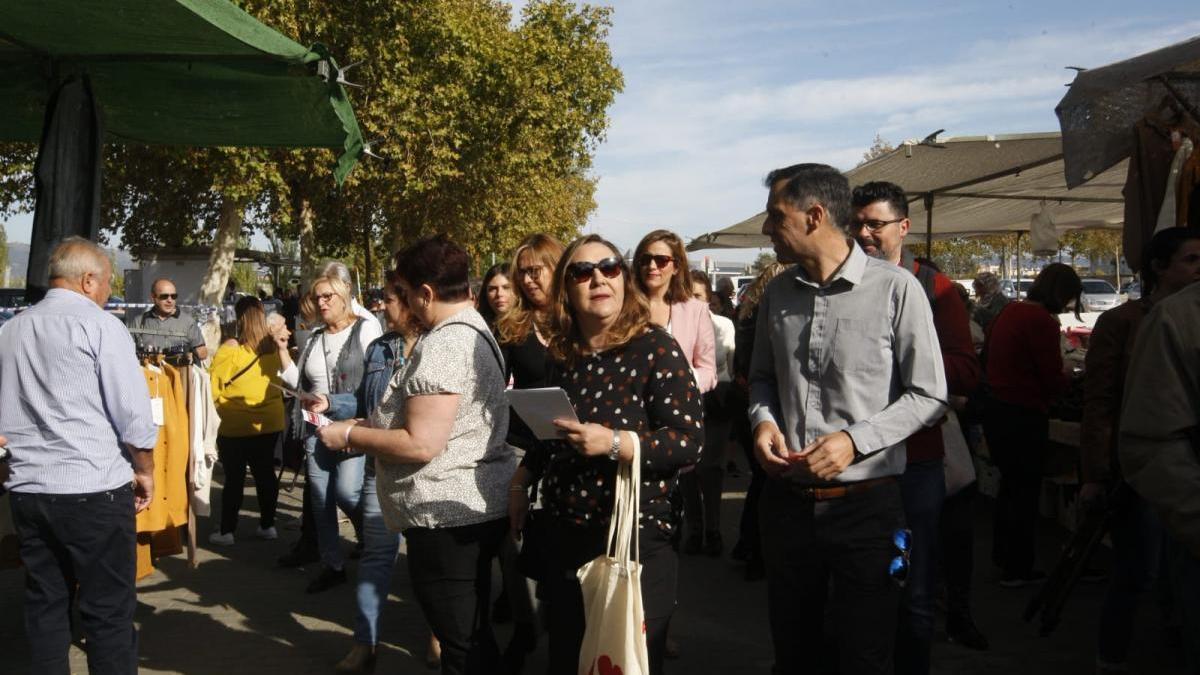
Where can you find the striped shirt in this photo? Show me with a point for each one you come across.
(71, 393)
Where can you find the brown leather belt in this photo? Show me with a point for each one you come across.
(837, 492)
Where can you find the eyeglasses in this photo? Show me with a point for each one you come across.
(531, 271)
(581, 272)
(660, 261)
(167, 296)
(326, 297)
(898, 569)
(876, 225)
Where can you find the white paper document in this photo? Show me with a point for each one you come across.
(316, 419)
(289, 390)
(539, 408)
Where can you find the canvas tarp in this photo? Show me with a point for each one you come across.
(173, 72)
(978, 185)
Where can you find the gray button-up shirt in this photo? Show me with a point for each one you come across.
(187, 331)
(859, 354)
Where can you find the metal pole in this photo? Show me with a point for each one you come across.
(929, 226)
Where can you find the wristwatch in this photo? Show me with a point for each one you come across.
(614, 452)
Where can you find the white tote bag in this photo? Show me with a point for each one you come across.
(615, 638)
(958, 463)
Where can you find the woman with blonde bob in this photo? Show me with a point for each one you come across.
(332, 362)
(628, 379)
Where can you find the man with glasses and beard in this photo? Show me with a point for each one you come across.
(880, 223)
(166, 317)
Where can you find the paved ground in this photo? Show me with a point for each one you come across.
(238, 613)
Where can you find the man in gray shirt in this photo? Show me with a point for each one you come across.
(180, 328)
(846, 365)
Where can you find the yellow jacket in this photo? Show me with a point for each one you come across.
(248, 406)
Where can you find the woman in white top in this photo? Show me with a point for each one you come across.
(701, 487)
(332, 362)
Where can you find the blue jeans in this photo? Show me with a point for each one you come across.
(380, 548)
(923, 489)
(1138, 539)
(334, 479)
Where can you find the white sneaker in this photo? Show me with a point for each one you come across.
(221, 539)
(268, 533)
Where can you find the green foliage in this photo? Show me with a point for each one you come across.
(3, 250)
(118, 280)
(488, 127)
(959, 258)
(764, 260)
(246, 277)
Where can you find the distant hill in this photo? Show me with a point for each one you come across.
(18, 259)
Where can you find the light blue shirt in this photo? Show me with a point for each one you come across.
(859, 354)
(71, 393)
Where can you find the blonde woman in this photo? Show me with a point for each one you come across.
(251, 415)
(332, 362)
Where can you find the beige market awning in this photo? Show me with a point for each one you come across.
(973, 185)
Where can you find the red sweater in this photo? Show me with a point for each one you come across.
(958, 355)
(1024, 360)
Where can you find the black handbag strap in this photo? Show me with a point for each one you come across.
(243, 370)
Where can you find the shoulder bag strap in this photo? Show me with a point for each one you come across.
(243, 370)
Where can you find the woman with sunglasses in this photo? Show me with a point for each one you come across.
(332, 362)
(442, 464)
(522, 333)
(627, 378)
(662, 275)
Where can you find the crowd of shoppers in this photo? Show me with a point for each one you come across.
(837, 373)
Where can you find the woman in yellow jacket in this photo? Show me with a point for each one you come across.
(251, 415)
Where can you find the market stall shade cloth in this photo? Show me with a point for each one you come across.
(1099, 110)
(978, 185)
(174, 72)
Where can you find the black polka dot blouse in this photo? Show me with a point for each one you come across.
(646, 387)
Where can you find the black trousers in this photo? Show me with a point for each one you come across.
(1017, 439)
(748, 528)
(258, 452)
(848, 540)
(84, 539)
(451, 573)
(570, 547)
(957, 541)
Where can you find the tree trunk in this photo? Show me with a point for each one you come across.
(220, 264)
(307, 242)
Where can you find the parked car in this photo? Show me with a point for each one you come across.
(1099, 295)
(1022, 287)
(12, 297)
(1132, 290)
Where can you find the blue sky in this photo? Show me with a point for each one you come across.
(718, 92)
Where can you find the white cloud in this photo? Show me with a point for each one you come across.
(704, 115)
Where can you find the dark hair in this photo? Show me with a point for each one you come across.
(700, 276)
(1163, 246)
(679, 289)
(815, 182)
(439, 263)
(1055, 287)
(391, 279)
(926, 262)
(485, 307)
(881, 191)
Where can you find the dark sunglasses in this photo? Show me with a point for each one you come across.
(898, 568)
(167, 296)
(580, 272)
(660, 261)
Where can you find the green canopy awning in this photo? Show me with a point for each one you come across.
(174, 72)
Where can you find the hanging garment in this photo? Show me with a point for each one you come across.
(168, 507)
(1187, 192)
(1168, 213)
(1145, 186)
(204, 423)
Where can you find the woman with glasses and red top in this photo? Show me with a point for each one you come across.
(661, 266)
(627, 378)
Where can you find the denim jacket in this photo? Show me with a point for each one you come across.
(383, 357)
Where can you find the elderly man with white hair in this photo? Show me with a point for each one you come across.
(76, 413)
